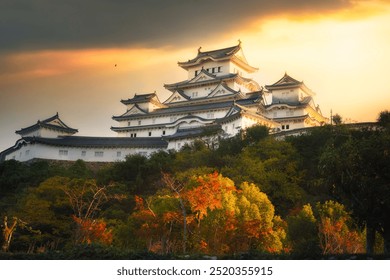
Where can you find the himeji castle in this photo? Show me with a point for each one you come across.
(217, 100)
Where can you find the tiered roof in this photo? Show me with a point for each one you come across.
(233, 53)
(143, 98)
(195, 82)
(53, 123)
(193, 108)
(288, 82)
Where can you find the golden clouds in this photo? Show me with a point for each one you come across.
(49, 63)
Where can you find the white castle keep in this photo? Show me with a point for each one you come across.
(217, 100)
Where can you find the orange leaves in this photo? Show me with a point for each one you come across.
(169, 217)
(336, 236)
(209, 216)
(93, 231)
(139, 203)
(208, 195)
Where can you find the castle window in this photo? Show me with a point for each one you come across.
(83, 153)
(219, 69)
(99, 153)
(195, 94)
(63, 152)
(27, 152)
(135, 134)
(287, 126)
(210, 115)
(139, 122)
(129, 124)
(283, 127)
(150, 133)
(118, 154)
(163, 132)
(196, 73)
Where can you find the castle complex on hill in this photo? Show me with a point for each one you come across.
(217, 99)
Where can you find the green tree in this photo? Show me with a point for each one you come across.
(302, 232)
(46, 208)
(272, 164)
(337, 119)
(357, 170)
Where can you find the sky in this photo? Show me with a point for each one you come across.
(80, 58)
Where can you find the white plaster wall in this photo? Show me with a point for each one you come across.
(234, 68)
(32, 151)
(45, 133)
(209, 65)
(287, 95)
(144, 132)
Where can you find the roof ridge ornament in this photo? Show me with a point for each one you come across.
(199, 49)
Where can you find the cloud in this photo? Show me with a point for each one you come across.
(58, 24)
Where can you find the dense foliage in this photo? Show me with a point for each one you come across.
(322, 193)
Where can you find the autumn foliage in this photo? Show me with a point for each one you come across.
(92, 231)
(221, 219)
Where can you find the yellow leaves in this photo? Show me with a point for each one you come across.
(220, 218)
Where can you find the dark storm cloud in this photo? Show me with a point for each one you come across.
(64, 24)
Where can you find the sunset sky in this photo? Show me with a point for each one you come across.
(60, 56)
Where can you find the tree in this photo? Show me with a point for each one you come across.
(8, 231)
(254, 134)
(384, 119)
(335, 230)
(46, 209)
(303, 232)
(177, 188)
(93, 231)
(356, 168)
(273, 165)
(337, 119)
(86, 198)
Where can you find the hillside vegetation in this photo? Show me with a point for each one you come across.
(323, 193)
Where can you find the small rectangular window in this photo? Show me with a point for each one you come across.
(139, 122)
(119, 154)
(83, 153)
(282, 126)
(287, 126)
(163, 132)
(99, 154)
(63, 152)
(150, 133)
